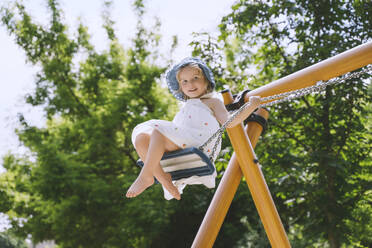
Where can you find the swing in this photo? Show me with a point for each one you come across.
(193, 161)
(185, 163)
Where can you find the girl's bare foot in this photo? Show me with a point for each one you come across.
(141, 183)
(166, 180)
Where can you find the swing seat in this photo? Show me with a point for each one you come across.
(185, 163)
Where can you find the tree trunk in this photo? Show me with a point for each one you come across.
(330, 173)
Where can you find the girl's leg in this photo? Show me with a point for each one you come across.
(143, 181)
(155, 145)
(165, 178)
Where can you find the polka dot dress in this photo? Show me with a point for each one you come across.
(191, 127)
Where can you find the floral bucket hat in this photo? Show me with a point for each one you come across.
(172, 81)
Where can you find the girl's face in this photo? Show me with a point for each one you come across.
(192, 82)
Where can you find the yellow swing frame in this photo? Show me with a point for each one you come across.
(244, 162)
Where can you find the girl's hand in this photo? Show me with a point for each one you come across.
(255, 101)
(252, 105)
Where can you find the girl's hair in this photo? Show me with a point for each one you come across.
(195, 66)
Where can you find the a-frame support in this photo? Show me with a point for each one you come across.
(244, 156)
(243, 160)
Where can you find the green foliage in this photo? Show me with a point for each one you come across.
(71, 189)
(316, 154)
(8, 240)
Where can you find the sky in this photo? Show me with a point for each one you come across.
(177, 17)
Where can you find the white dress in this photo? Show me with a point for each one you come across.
(191, 127)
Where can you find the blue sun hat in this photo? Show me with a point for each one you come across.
(172, 81)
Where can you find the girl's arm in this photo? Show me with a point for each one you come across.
(222, 115)
(254, 103)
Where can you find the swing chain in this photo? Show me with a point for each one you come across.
(283, 97)
(318, 87)
(220, 131)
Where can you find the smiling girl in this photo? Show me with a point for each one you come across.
(191, 81)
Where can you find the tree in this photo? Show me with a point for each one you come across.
(70, 189)
(316, 154)
(7, 240)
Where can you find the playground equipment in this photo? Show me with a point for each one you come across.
(244, 161)
(185, 163)
(194, 161)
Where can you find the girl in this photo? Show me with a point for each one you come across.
(191, 81)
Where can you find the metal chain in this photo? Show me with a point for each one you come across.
(318, 87)
(283, 97)
(220, 131)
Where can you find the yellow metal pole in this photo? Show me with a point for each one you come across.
(258, 188)
(340, 64)
(219, 206)
(222, 199)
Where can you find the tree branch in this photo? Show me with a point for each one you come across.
(291, 136)
(310, 109)
(278, 47)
